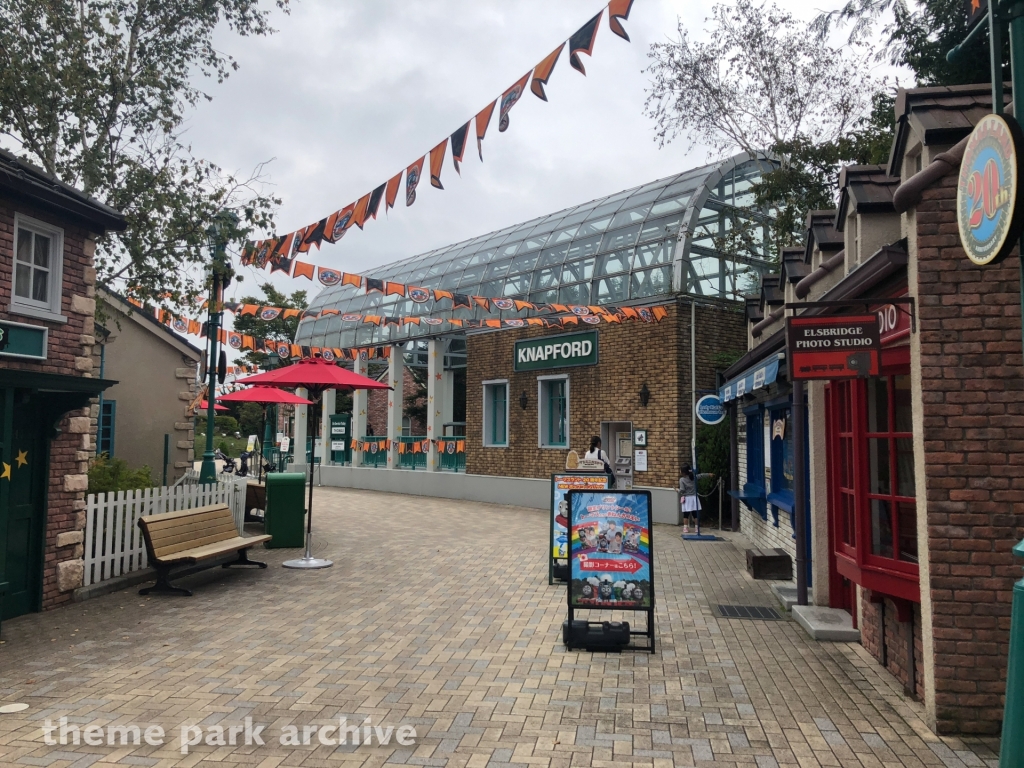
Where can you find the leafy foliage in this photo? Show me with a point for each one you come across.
(917, 36)
(278, 329)
(250, 419)
(96, 92)
(758, 81)
(107, 475)
(225, 425)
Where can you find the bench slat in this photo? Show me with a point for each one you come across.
(208, 551)
(183, 533)
(149, 519)
(156, 526)
(190, 543)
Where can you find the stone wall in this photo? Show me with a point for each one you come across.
(69, 353)
(972, 385)
(630, 355)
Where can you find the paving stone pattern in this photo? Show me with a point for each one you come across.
(438, 615)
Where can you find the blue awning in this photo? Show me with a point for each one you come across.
(757, 377)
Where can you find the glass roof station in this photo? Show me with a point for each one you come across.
(695, 233)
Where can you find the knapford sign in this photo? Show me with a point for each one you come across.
(570, 349)
(835, 347)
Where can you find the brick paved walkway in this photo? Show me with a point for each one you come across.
(438, 615)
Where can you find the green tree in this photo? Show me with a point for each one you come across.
(250, 419)
(96, 92)
(278, 329)
(917, 35)
(762, 83)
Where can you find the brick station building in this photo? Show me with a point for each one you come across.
(916, 477)
(654, 257)
(48, 234)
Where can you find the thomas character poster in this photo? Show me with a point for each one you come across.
(610, 550)
(560, 486)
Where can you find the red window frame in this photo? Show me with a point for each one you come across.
(849, 488)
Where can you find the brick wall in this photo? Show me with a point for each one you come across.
(377, 407)
(973, 408)
(630, 355)
(895, 652)
(69, 353)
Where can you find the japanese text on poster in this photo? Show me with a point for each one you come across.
(560, 486)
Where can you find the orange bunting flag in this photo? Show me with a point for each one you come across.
(521, 305)
(416, 447)
(455, 322)
(347, 278)
(543, 71)
(436, 161)
(391, 192)
(374, 319)
(630, 312)
(483, 119)
(302, 269)
(492, 323)
(248, 309)
(410, 321)
(248, 342)
(509, 99)
(481, 301)
(438, 295)
(582, 41)
(619, 9)
(294, 350)
(412, 180)
(659, 312)
(570, 320)
(338, 223)
(612, 318)
(394, 289)
(534, 321)
(559, 307)
(401, 447)
(362, 205)
(460, 446)
(289, 313)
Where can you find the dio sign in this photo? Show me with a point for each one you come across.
(987, 213)
(835, 347)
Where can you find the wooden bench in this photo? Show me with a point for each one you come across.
(192, 536)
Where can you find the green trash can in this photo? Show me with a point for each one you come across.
(286, 510)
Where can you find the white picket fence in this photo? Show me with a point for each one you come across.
(113, 541)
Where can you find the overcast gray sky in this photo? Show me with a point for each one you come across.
(348, 93)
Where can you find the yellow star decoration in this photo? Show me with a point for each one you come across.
(6, 472)
(22, 458)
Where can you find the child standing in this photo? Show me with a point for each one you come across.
(689, 503)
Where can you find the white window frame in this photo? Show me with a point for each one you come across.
(49, 310)
(542, 407)
(488, 439)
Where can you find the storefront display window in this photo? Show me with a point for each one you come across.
(753, 494)
(872, 485)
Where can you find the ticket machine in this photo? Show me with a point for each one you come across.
(617, 438)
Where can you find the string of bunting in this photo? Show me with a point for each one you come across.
(240, 341)
(444, 445)
(280, 252)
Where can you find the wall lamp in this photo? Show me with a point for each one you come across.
(645, 395)
(523, 400)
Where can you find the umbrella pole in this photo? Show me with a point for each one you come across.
(308, 561)
(263, 448)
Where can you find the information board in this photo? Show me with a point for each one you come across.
(561, 484)
(610, 550)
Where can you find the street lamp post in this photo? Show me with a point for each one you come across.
(220, 276)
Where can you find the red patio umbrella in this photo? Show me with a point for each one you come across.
(265, 395)
(315, 375)
(203, 405)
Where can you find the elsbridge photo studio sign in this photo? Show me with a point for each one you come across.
(836, 347)
(563, 351)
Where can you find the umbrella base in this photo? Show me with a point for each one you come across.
(308, 562)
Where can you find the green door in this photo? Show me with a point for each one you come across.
(21, 532)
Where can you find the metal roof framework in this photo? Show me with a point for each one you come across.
(632, 247)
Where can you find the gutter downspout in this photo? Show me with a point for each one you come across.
(827, 267)
(770, 318)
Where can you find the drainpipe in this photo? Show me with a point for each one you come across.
(99, 416)
(827, 267)
(770, 318)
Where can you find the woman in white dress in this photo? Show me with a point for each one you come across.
(689, 503)
(595, 452)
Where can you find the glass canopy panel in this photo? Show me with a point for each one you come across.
(635, 231)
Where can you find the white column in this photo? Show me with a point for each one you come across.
(326, 411)
(396, 376)
(359, 404)
(299, 438)
(435, 399)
